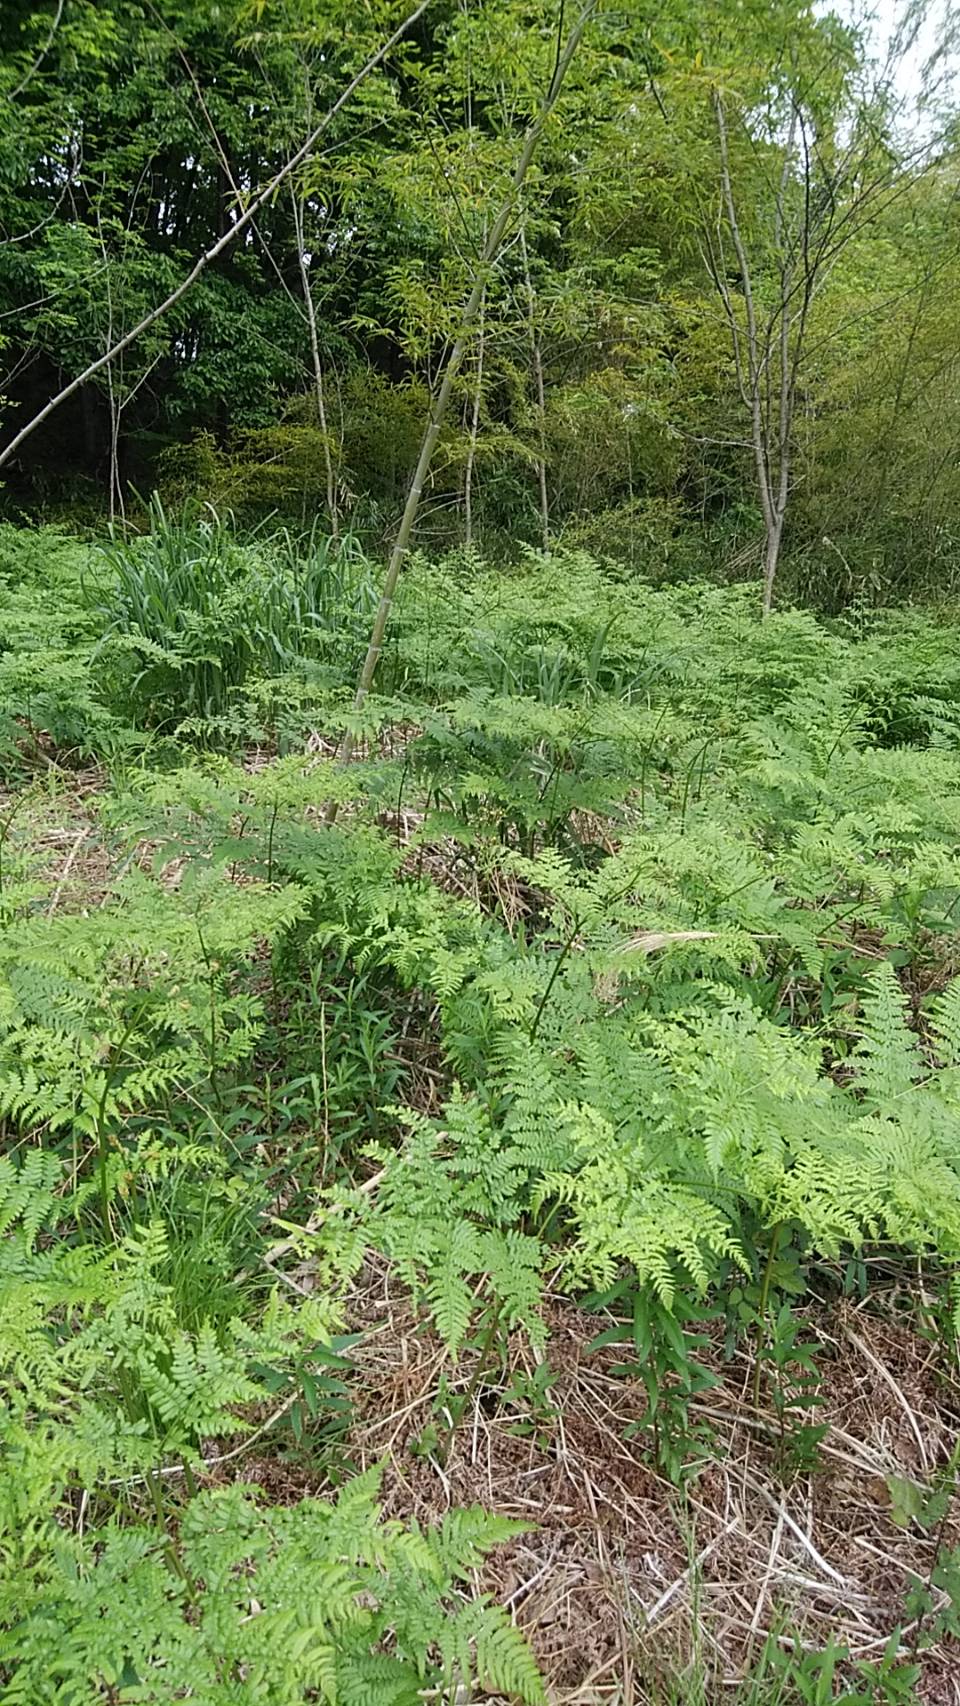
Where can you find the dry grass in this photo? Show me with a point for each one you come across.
(620, 1571)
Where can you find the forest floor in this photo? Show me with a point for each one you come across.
(624, 1583)
(628, 963)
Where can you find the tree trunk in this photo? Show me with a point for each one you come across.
(311, 313)
(116, 484)
(771, 559)
(752, 364)
(537, 359)
(474, 428)
(114, 406)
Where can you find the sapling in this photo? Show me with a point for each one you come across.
(438, 409)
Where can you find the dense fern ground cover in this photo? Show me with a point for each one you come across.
(600, 1061)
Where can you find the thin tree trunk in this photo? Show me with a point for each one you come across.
(229, 236)
(752, 378)
(116, 487)
(311, 312)
(778, 494)
(112, 401)
(491, 250)
(780, 497)
(474, 426)
(787, 388)
(771, 561)
(537, 358)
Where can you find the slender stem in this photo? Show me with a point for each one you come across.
(762, 1311)
(101, 1121)
(482, 1364)
(270, 832)
(170, 1551)
(558, 967)
(326, 1089)
(403, 783)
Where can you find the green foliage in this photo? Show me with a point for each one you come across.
(600, 402)
(101, 1014)
(626, 966)
(325, 1599)
(788, 1671)
(814, 1678)
(191, 615)
(664, 1343)
(630, 961)
(48, 691)
(108, 1405)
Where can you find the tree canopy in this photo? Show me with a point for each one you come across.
(722, 324)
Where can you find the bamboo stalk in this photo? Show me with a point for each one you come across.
(438, 409)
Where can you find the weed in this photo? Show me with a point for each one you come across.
(664, 1343)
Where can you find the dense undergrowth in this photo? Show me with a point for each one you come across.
(625, 974)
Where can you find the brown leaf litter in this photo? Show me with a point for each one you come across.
(622, 1577)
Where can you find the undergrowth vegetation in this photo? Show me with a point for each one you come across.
(626, 975)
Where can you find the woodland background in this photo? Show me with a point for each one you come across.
(600, 403)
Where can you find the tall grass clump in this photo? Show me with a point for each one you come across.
(191, 614)
(324, 595)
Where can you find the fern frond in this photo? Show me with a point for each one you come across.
(888, 1058)
(504, 1661)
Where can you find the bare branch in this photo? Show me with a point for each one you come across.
(41, 56)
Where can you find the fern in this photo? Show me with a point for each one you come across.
(447, 1290)
(651, 868)
(423, 1221)
(504, 1661)
(277, 1598)
(28, 1192)
(888, 1059)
